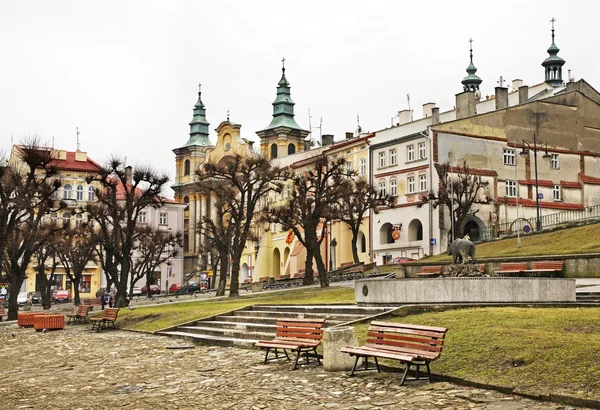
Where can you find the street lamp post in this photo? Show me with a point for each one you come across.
(524, 153)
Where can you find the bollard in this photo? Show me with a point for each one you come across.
(333, 340)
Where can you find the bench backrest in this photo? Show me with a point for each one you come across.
(92, 301)
(547, 265)
(431, 269)
(281, 277)
(300, 329)
(2, 312)
(263, 279)
(110, 314)
(82, 310)
(513, 266)
(406, 336)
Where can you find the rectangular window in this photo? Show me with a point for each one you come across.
(410, 153)
(554, 162)
(508, 158)
(381, 159)
(557, 193)
(84, 285)
(423, 182)
(363, 167)
(511, 188)
(382, 188)
(142, 216)
(422, 152)
(393, 187)
(393, 157)
(411, 185)
(162, 220)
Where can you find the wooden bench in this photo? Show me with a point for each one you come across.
(109, 316)
(92, 302)
(2, 313)
(263, 279)
(356, 269)
(283, 277)
(80, 314)
(411, 344)
(511, 268)
(543, 268)
(48, 322)
(430, 271)
(299, 275)
(299, 335)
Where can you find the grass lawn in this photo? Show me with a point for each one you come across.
(583, 239)
(156, 317)
(537, 350)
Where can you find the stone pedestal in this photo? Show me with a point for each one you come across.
(333, 340)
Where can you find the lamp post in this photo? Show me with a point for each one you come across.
(525, 153)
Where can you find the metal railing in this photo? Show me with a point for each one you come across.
(550, 221)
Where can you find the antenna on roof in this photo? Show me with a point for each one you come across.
(53, 141)
(409, 109)
(77, 139)
(358, 127)
(310, 128)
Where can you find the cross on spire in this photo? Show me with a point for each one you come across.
(471, 44)
(228, 115)
(283, 63)
(199, 88)
(552, 21)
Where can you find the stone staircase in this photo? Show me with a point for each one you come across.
(244, 327)
(592, 297)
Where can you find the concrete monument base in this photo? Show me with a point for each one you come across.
(333, 340)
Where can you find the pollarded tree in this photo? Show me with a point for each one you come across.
(239, 183)
(458, 187)
(313, 201)
(76, 248)
(120, 200)
(47, 261)
(27, 187)
(155, 246)
(354, 204)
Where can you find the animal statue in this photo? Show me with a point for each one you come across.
(462, 249)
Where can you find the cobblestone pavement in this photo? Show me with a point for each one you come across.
(79, 369)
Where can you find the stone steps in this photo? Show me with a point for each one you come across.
(588, 296)
(244, 327)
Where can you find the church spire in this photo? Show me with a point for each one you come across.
(199, 124)
(553, 64)
(283, 106)
(471, 82)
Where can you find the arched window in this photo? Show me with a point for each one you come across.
(66, 219)
(79, 220)
(274, 151)
(291, 149)
(385, 233)
(186, 200)
(67, 190)
(186, 167)
(415, 230)
(361, 243)
(91, 193)
(79, 193)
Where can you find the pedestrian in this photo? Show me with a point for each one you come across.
(110, 300)
(103, 299)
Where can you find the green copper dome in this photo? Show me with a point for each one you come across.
(471, 82)
(553, 63)
(283, 106)
(199, 125)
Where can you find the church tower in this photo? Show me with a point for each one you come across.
(188, 159)
(283, 136)
(471, 82)
(553, 64)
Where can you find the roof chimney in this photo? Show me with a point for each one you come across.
(427, 107)
(326, 139)
(501, 98)
(435, 115)
(523, 94)
(404, 116)
(349, 135)
(466, 104)
(517, 83)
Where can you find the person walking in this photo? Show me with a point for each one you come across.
(104, 299)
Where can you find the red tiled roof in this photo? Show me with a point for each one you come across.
(589, 180)
(549, 205)
(541, 182)
(139, 192)
(71, 164)
(567, 184)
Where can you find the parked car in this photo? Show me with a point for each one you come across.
(190, 286)
(61, 296)
(36, 297)
(21, 298)
(135, 291)
(154, 290)
(174, 288)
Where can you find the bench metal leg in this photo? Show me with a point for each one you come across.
(377, 364)
(354, 367)
(296, 362)
(428, 371)
(404, 374)
(317, 356)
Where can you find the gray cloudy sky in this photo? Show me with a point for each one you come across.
(126, 72)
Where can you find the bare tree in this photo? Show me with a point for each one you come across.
(154, 247)
(239, 183)
(123, 196)
(354, 204)
(313, 202)
(458, 187)
(47, 262)
(26, 196)
(75, 249)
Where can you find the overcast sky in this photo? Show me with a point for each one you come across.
(126, 72)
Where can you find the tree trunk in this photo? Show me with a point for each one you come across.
(148, 293)
(323, 278)
(16, 281)
(75, 283)
(45, 286)
(308, 270)
(234, 284)
(355, 247)
(222, 274)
